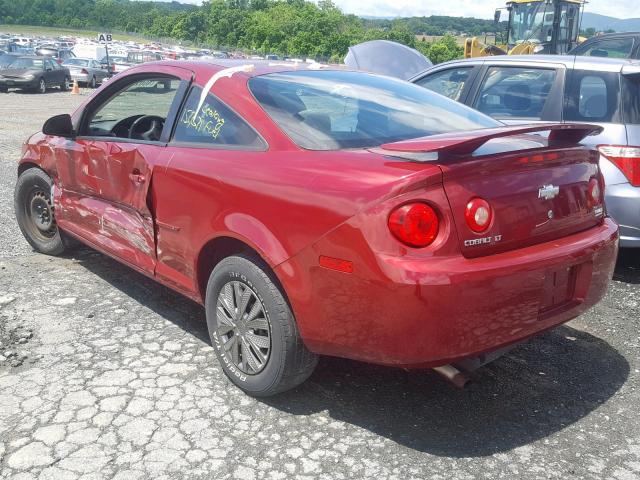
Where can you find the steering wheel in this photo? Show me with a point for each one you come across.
(147, 127)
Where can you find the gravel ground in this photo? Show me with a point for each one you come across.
(105, 374)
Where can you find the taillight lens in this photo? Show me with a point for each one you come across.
(478, 215)
(626, 159)
(414, 224)
(595, 193)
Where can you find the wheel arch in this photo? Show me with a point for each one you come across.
(221, 247)
(24, 166)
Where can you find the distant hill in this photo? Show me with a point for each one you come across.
(602, 23)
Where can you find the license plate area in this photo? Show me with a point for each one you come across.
(558, 290)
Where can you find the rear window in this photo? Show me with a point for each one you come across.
(593, 97)
(77, 61)
(330, 110)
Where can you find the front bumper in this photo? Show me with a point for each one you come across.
(623, 204)
(18, 82)
(424, 313)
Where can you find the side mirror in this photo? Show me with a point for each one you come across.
(59, 126)
(496, 16)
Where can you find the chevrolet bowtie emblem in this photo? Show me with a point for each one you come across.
(548, 192)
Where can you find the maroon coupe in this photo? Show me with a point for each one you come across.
(325, 211)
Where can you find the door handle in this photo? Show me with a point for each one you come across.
(136, 177)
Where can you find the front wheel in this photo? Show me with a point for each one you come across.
(35, 213)
(64, 86)
(93, 83)
(42, 86)
(253, 330)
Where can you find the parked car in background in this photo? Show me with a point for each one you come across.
(529, 89)
(60, 55)
(612, 45)
(114, 63)
(22, 41)
(86, 71)
(34, 73)
(325, 211)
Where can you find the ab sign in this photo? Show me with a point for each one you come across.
(105, 38)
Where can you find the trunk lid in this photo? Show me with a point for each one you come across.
(538, 188)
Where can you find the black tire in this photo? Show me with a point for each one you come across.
(64, 86)
(289, 362)
(42, 86)
(93, 83)
(3, 89)
(34, 183)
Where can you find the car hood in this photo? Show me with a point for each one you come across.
(387, 58)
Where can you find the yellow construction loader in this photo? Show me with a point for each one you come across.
(534, 26)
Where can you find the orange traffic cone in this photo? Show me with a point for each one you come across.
(76, 89)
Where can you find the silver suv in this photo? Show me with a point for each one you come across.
(558, 88)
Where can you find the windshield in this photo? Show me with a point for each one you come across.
(532, 22)
(330, 110)
(6, 60)
(27, 63)
(77, 61)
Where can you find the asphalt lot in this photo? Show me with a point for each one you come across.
(105, 374)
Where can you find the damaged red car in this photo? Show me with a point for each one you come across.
(321, 211)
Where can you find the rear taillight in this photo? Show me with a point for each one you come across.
(478, 215)
(627, 159)
(84, 71)
(595, 193)
(414, 224)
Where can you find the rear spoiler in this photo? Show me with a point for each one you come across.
(467, 142)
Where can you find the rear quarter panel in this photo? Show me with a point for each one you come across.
(276, 202)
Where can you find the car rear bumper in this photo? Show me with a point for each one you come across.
(623, 204)
(403, 312)
(80, 77)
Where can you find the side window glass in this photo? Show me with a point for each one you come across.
(509, 92)
(592, 101)
(614, 48)
(449, 83)
(138, 111)
(593, 96)
(213, 123)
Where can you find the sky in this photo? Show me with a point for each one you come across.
(465, 8)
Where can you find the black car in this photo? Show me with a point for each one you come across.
(34, 73)
(613, 45)
(60, 55)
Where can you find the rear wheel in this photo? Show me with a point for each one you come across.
(64, 86)
(35, 212)
(253, 330)
(93, 83)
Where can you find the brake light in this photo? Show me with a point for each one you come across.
(627, 159)
(84, 71)
(414, 224)
(595, 193)
(478, 215)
